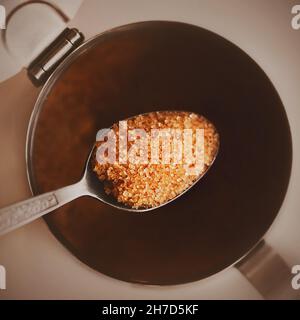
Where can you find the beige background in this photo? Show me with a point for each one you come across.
(37, 265)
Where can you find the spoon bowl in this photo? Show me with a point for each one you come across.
(21, 213)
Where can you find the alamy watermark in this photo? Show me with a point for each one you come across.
(2, 278)
(2, 17)
(156, 146)
(296, 18)
(296, 279)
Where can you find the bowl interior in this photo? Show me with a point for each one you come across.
(165, 66)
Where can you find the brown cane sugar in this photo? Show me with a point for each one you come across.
(148, 184)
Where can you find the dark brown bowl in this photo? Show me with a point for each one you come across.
(164, 66)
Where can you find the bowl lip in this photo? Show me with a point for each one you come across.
(47, 87)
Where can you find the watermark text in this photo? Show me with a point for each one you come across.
(2, 278)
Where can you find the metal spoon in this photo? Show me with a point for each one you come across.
(21, 213)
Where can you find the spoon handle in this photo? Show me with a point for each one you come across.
(21, 213)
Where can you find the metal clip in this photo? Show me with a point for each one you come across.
(43, 66)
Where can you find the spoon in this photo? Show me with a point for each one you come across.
(21, 213)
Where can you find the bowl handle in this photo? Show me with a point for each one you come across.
(29, 28)
(268, 273)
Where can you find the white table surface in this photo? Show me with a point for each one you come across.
(37, 265)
